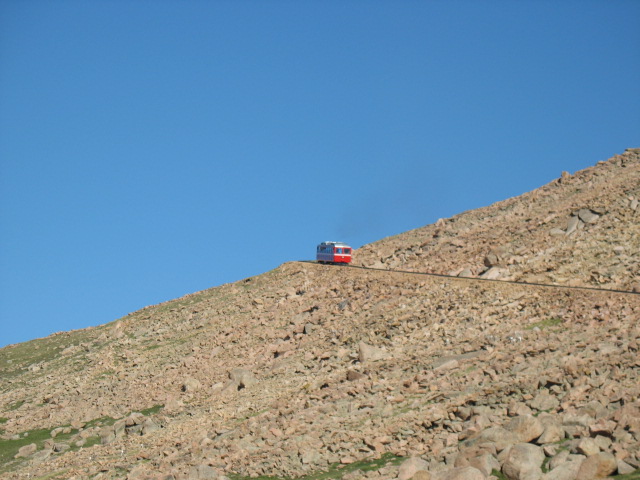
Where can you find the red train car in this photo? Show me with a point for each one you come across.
(333, 252)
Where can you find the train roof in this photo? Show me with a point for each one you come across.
(336, 244)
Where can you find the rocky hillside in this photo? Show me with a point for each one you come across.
(366, 373)
(581, 230)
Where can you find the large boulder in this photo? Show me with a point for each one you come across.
(26, 450)
(526, 427)
(463, 473)
(409, 467)
(600, 465)
(523, 462)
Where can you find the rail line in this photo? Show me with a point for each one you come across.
(513, 282)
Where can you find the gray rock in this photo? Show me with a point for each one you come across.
(485, 463)
(491, 260)
(466, 273)
(367, 353)
(526, 427)
(558, 459)
(107, 435)
(623, 468)
(564, 471)
(134, 430)
(498, 436)
(40, 457)
(572, 225)
(243, 377)
(587, 447)
(409, 467)
(191, 385)
(494, 273)
(553, 432)
(463, 473)
(310, 456)
(588, 216)
(202, 472)
(149, 426)
(136, 418)
(118, 427)
(523, 462)
(544, 401)
(618, 250)
(60, 447)
(497, 256)
(446, 363)
(584, 420)
(26, 450)
(603, 443)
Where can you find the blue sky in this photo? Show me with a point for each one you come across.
(150, 149)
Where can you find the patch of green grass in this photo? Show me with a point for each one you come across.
(629, 476)
(542, 324)
(15, 359)
(106, 374)
(100, 422)
(60, 474)
(535, 414)
(90, 442)
(498, 475)
(9, 448)
(15, 405)
(151, 410)
(337, 471)
(465, 372)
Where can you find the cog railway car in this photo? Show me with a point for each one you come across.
(333, 252)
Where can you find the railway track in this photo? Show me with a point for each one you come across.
(441, 275)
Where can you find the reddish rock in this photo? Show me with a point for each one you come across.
(600, 465)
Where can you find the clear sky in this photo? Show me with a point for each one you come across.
(150, 149)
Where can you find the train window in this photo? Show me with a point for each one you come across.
(338, 250)
(347, 250)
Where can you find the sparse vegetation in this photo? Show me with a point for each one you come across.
(15, 405)
(9, 447)
(629, 476)
(548, 323)
(151, 410)
(60, 474)
(498, 475)
(337, 470)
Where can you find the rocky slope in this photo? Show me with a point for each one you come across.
(366, 373)
(580, 229)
